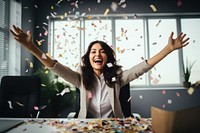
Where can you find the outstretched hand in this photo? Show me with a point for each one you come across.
(23, 38)
(179, 42)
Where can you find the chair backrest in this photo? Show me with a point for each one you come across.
(124, 100)
(19, 95)
(123, 97)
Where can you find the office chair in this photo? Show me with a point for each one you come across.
(123, 97)
(19, 95)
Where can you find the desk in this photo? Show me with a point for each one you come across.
(114, 125)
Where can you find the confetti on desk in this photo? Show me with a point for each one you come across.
(109, 125)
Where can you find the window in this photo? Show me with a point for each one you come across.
(3, 38)
(191, 52)
(133, 40)
(159, 31)
(130, 43)
(98, 30)
(66, 48)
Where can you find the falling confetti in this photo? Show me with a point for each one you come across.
(153, 8)
(20, 104)
(190, 91)
(158, 23)
(44, 56)
(169, 101)
(141, 97)
(121, 1)
(179, 3)
(89, 95)
(177, 94)
(123, 6)
(106, 12)
(164, 92)
(129, 99)
(163, 106)
(113, 79)
(31, 65)
(66, 90)
(36, 108)
(114, 6)
(109, 64)
(10, 104)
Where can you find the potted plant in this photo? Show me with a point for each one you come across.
(51, 86)
(187, 72)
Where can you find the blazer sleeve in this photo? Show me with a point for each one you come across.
(66, 73)
(134, 72)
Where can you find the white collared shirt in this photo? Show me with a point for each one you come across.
(100, 106)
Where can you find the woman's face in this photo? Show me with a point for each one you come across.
(98, 58)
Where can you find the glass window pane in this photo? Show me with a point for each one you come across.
(130, 45)
(98, 30)
(66, 45)
(191, 52)
(166, 71)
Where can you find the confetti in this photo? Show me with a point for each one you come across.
(164, 92)
(44, 56)
(190, 91)
(46, 33)
(123, 6)
(20, 104)
(114, 6)
(177, 94)
(36, 108)
(89, 95)
(26, 70)
(31, 65)
(89, 17)
(141, 97)
(46, 71)
(179, 3)
(169, 101)
(121, 1)
(109, 64)
(155, 81)
(113, 79)
(43, 85)
(66, 90)
(158, 23)
(10, 104)
(129, 99)
(106, 12)
(153, 8)
(163, 106)
(38, 113)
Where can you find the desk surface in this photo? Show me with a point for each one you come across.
(117, 125)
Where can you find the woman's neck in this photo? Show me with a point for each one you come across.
(97, 73)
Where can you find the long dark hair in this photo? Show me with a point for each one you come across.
(109, 73)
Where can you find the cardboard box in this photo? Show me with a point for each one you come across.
(182, 121)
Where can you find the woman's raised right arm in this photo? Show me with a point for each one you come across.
(25, 39)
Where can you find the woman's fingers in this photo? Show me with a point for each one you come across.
(185, 41)
(20, 31)
(13, 33)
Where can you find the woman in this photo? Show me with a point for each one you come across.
(100, 78)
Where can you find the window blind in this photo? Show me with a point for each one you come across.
(3, 38)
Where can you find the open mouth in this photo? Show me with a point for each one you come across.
(98, 61)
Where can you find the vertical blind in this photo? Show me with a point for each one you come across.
(4, 38)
